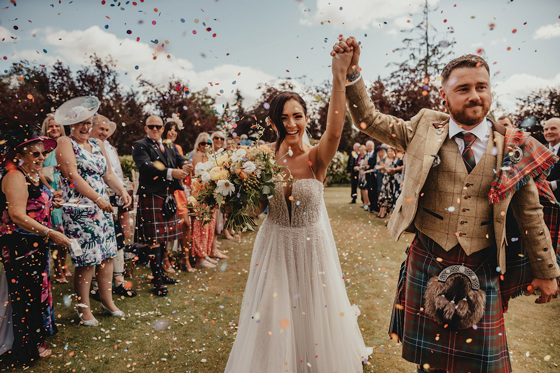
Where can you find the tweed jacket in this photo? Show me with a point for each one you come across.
(152, 178)
(421, 138)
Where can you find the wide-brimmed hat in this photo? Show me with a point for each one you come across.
(16, 136)
(76, 110)
(102, 118)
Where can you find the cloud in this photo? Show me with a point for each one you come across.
(6, 35)
(33, 55)
(362, 14)
(521, 85)
(152, 63)
(548, 32)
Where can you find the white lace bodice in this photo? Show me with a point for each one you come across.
(306, 205)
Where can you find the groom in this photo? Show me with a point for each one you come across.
(451, 163)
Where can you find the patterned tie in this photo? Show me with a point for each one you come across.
(468, 155)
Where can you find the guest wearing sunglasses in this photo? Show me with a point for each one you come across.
(25, 234)
(161, 168)
(218, 142)
(204, 237)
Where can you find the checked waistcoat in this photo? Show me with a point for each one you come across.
(453, 207)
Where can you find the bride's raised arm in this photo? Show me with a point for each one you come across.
(326, 149)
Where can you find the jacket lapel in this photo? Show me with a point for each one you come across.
(160, 156)
(437, 134)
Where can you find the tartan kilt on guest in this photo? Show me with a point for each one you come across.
(152, 228)
(483, 349)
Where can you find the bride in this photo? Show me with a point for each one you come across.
(296, 316)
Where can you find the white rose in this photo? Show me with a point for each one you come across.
(205, 176)
(249, 167)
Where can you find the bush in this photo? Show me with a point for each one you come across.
(127, 165)
(336, 172)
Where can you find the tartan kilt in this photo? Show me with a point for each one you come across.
(483, 349)
(152, 227)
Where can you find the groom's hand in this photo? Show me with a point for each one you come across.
(547, 287)
(348, 45)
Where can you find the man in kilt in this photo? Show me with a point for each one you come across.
(160, 168)
(464, 173)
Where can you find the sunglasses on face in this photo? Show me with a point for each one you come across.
(218, 138)
(154, 127)
(38, 154)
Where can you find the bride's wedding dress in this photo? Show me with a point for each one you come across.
(296, 316)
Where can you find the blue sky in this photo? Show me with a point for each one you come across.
(267, 41)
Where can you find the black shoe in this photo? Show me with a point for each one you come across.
(95, 296)
(168, 280)
(353, 202)
(120, 290)
(160, 290)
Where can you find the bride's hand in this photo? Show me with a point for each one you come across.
(341, 62)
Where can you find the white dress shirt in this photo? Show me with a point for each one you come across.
(482, 133)
(114, 160)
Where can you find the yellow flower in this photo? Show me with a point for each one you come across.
(218, 173)
(222, 159)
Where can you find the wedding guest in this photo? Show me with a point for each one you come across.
(388, 193)
(361, 168)
(230, 143)
(87, 215)
(505, 121)
(203, 235)
(217, 139)
(51, 173)
(102, 130)
(161, 169)
(25, 235)
(352, 173)
(172, 127)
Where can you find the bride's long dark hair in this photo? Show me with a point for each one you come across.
(276, 109)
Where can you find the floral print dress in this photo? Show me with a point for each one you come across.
(83, 220)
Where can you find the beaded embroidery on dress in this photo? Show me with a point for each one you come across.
(296, 316)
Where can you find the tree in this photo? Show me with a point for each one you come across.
(541, 105)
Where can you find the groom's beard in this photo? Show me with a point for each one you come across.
(471, 114)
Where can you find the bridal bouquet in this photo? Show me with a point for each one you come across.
(235, 181)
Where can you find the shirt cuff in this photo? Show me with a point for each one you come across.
(354, 81)
(553, 185)
(169, 171)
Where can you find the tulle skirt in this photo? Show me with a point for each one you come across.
(296, 316)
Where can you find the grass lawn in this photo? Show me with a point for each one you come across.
(193, 329)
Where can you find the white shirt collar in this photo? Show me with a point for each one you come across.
(158, 142)
(480, 131)
(554, 148)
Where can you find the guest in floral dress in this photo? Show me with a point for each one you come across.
(25, 232)
(87, 215)
(390, 184)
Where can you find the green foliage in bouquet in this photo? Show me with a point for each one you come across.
(235, 181)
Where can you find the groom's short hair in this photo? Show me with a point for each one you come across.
(468, 60)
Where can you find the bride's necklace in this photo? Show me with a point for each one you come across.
(34, 179)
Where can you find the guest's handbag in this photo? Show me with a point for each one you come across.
(169, 206)
(454, 298)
